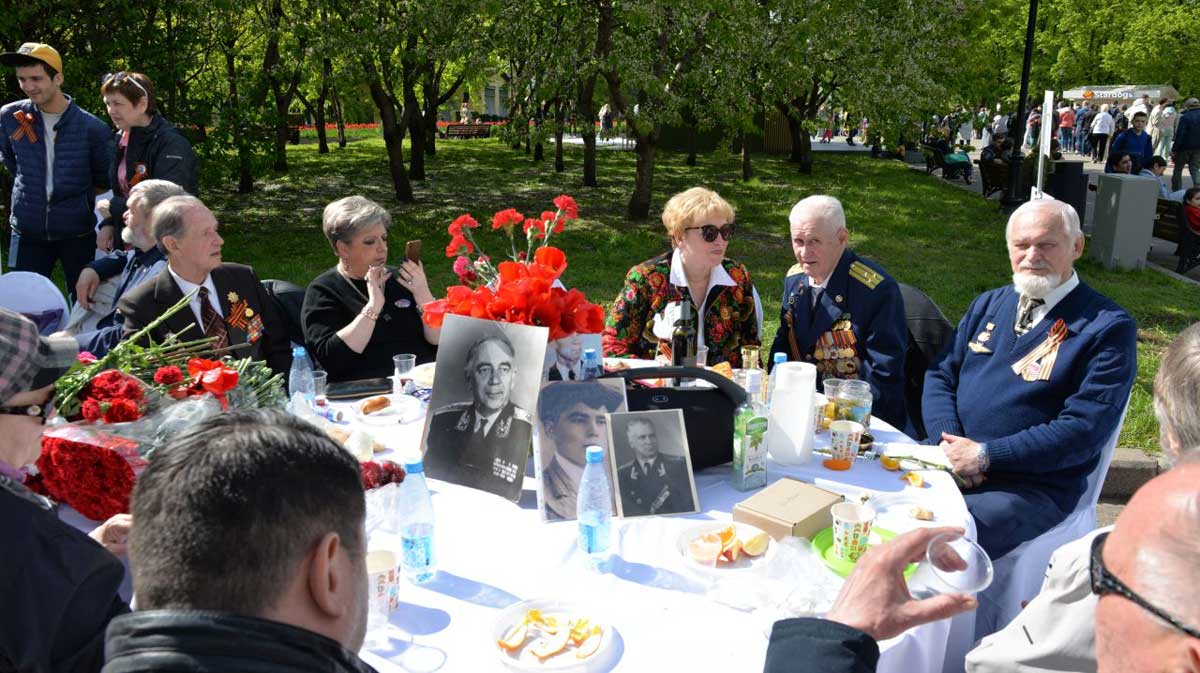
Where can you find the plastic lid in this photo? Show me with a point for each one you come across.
(415, 467)
(298, 351)
(595, 454)
(779, 358)
(589, 353)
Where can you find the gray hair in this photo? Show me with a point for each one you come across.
(1065, 212)
(640, 421)
(497, 337)
(168, 218)
(347, 217)
(1177, 390)
(821, 207)
(153, 192)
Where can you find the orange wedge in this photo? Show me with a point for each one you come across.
(889, 463)
(589, 646)
(726, 535)
(704, 550)
(515, 638)
(546, 647)
(756, 545)
(579, 631)
(913, 479)
(733, 550)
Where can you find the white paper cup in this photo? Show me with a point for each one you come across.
(843, 439)
(819, 402)
(851, 529)
(383, 588)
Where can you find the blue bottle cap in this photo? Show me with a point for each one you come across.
(595, 454)
(414, 468)
(779, 358)
(589, 353)
(298, 351)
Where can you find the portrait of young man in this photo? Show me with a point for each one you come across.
(571, 416)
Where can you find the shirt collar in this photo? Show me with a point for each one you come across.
(187, 286)
(718, 276)
(1059, 293)
(573, 472)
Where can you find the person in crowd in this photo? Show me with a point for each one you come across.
(1142, 105)
(1120, 118)
(1102, 128)
(1033, 126)
(121, 270)
(228, 302)
(574, 416)
(842, 312)
(1056, 631)
(995, 152)
(1186, 145)
(1153, 122)
(281, 586)
(1066, 126)
(60, 585)
(57, 154)
(1121, 162)
(1084, 129)
(483, 442)
(568, 359)
(1191, 209)
(147, 145)
(726, 307)
(360, 313)
(1032, 386)
(653, 482)
(1167, 123)
(1157, 169)
(464, 113)
(1134, 141)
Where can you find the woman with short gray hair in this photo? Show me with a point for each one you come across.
(354, 319)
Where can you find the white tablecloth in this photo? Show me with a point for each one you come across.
(493, 553)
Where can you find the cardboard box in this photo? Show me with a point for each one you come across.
(788, 507)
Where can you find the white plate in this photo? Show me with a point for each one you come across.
(404, 409)
(893, 512)
(524, 660)
(422, 375)
(743, 565)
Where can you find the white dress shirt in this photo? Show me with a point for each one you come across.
(186, 287)
(718, 276)
(1052, 299)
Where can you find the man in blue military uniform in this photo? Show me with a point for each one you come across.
(840, 312)
(483, 443)
(1032, 387)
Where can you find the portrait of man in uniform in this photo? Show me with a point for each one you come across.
(653, 467)
(479, 430)
(571, 416)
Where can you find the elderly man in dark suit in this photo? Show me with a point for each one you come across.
(653, 482)
(230, 305)
(483, 443)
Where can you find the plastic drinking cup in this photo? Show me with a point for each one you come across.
(958, 565)
(383, 590)
(320, 385)
(851, 529)
(404, 364)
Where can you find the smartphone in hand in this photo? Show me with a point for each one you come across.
(412, 251)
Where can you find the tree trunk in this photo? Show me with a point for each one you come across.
(393, 138)
(322, 136)
(639, 202)
(416, 161)
(245, 175)
(431, 121)
(795, 132)
(586, 114)
(339, 119)
(806, 158)
(559, 121)
(747, 169)
(281, 134)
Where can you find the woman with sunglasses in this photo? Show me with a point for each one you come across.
(148, 146)
(60, 586)
(696, 271)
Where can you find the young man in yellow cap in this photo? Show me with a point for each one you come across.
(58, 155)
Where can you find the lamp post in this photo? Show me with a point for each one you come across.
(1012, 196)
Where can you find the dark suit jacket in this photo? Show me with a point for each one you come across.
(806, 644)
(494, 462)
(146, 302)
(665, 489)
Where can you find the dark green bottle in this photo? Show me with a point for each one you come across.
(683, 339)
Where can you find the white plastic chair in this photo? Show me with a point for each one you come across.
(1019, 573)
(36, 297)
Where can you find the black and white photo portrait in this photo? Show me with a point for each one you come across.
(564, 357)
(571, 416)
(653, 467)
(480, 419)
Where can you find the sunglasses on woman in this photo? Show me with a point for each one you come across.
(117, 77)
(1104, 582)
(39, 411)
(711, 231)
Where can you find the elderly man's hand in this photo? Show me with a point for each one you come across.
(875, 598)
(85, 287)
(963, 454)
(104, 237)
(114, 534)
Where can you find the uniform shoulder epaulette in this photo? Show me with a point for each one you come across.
(521, 415)
(796, 270)
(865, 275)
(456, 406)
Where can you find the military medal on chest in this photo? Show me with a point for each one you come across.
(979, 344)
(1038, 364)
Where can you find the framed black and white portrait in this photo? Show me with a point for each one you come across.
(651, 463)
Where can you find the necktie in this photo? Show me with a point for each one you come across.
(1025, 314)
(571, 374)
(211, 321)
(816, 295)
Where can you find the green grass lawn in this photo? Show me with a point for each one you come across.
(946, 241)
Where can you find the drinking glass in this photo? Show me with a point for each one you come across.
(958, 565)
(405, 363)
(320, 392)
(854, 401)
(831, 388)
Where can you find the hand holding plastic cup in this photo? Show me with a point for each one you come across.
(843, 444)
(851, 529)
(959, 565)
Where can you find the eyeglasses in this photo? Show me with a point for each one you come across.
(39, 411)
(710, 232)
(1103, 582)
(117, 77)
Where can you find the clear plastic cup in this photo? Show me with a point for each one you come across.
(958, 565)
(320, 389)
(404, 364)
(383, 592)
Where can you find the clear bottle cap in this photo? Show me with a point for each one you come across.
(595, 454)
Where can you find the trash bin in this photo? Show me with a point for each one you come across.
(1123, 221)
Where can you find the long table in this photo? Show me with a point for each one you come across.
(493, 553)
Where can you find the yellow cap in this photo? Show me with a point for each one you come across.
(35, 51)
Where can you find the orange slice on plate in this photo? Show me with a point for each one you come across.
(913, 479)
(547, 647)
(591, 645)
(756, 545)
(515, 638)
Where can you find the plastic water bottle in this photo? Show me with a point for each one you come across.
(300, 378)
(592, 369)
(776, 360)
(593, 509)
(416, 526)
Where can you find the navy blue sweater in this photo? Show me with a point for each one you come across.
(1046, 434)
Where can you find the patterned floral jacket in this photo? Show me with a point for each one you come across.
(730, 319)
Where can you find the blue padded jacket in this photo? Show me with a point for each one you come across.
(82, 150)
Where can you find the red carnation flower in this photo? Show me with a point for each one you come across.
(130, 389)
(90, 410)
(456, 246)
(85, 357)
(507, 219)
(568, 206)
(464, 220)
(121, 411)
(168, 376)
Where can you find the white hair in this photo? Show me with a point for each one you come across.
(819, 207)
(1065, 212)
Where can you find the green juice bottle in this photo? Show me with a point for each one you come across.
(749, 432)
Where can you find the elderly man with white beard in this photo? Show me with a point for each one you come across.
(1033, 384)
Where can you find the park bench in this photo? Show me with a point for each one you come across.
(468, 131)
(995, 178)
(1169, 226)
(935, 159)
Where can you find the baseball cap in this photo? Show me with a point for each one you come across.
(35, 51)
(1191, 103)
(28, 360)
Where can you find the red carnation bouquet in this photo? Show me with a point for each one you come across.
(524, 289)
